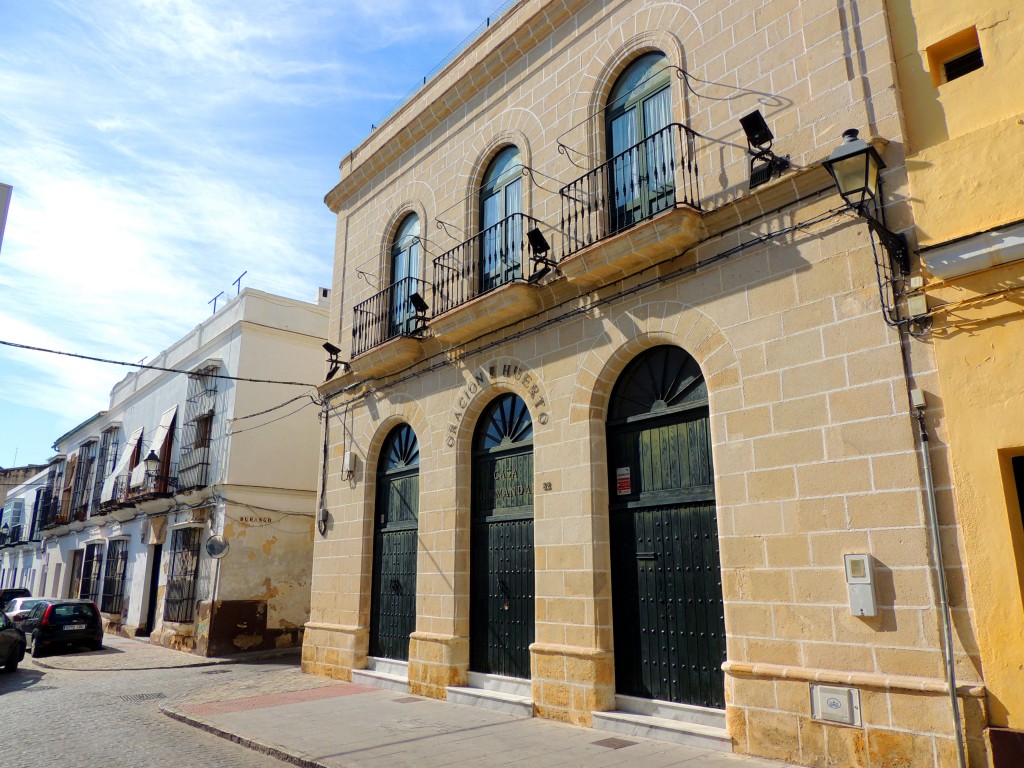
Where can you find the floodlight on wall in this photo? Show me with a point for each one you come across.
(334, 362)
(855, 167)
(419, 304)
(764, 164)
(539, 248)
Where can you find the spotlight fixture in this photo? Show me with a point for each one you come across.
(539, 247)
(855, 167)
(764, 164)
(333, 361)
(419, 304)
(538, 243)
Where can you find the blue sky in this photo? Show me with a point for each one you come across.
(160, 148)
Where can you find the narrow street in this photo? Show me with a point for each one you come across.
(106, 719)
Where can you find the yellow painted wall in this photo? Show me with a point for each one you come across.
(965, 156)
(965, 138)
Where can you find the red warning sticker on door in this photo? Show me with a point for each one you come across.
(623, 481)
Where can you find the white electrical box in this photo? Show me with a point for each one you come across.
(835, 704)
(860, 582)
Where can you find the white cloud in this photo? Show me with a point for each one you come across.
(160, 148)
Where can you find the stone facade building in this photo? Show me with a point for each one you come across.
(621, 398)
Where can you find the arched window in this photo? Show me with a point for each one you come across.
(405, 271)
(501, 208)
(640, 146)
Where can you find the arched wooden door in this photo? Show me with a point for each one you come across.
(666, 578)
(395, 528)
(501, 546)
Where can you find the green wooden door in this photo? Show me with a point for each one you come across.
(666, 578)
(501, 545)
(396, 516)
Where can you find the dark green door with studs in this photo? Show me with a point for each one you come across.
(667, 603)
(501, 611)
(396, 516)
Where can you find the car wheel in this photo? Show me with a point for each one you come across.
(12, 661)
(37, 652)
(96, 646)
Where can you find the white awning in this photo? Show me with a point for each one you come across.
(157, 446)
(122, 464)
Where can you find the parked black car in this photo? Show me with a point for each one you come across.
(8, 594)
(12, 644)
(65, 623)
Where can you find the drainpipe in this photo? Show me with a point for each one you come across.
(918, 401)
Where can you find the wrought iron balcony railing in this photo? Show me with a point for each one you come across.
(387, 315)
(155, 485)
(119, 495)
(47, 509)
(490, 259)
(652, 176)
(195, 467)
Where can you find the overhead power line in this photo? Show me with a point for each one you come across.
(153, 367)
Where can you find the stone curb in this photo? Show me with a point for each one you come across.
(256, 746)
(240, 659)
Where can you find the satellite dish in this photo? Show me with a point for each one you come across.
(217, 547)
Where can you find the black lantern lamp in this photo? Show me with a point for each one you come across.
(856, 166)
(152, 462)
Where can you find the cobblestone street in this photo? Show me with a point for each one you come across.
(86, 716)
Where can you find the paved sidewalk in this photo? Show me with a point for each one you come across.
(319, 723)
(121, 653)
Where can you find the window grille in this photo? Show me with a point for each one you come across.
(83, 475)
(91, 572)
(179, 603)
(104, 463)
(197, 430)
(113, 576)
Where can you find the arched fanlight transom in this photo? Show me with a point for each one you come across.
(658, 380)
(401, 450)
(505, 423)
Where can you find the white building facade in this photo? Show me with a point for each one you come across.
(182, 521)
(18, 533)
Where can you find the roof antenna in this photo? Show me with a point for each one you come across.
(238, 284)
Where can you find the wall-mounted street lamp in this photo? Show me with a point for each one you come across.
(856, 167)
(152, 462)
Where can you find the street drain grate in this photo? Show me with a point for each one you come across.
(37, 688)
(215, 672)
(407, 700)
(614, 743)
(135, 697)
